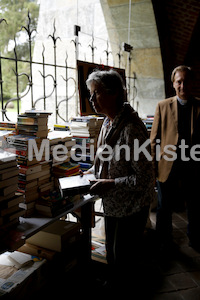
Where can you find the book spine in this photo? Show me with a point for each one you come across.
(26, 121)
(22, 153)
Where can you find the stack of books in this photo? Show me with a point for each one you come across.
(52, 204)
(85, 131)
(45, 181)
(148, 122)
(9, 126)
(33, 173)
(85, 151)
(63, 139)
(9, 202)
(83, 126)
(61, 127)
(66, 169)
(33, 123)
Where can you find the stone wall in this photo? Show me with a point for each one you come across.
(146, 57)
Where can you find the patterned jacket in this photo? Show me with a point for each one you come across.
(134, 183)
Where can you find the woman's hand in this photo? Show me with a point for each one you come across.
(84, 173)
(101, 186)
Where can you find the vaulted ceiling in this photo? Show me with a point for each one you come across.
(178, 23)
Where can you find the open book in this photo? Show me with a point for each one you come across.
(20, 259)
(76, 184)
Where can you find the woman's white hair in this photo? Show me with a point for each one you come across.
(109, 81)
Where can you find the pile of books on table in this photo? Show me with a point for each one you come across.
(51, 204)
(85, 130)
(7, 125)
(34, 175)
(66, 169)
(33, 123)
(83, 126)
(9, 202)
(62, 142)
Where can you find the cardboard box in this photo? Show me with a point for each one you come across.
(37, 251)
(56, 236)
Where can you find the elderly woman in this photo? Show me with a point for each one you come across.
(124, 182)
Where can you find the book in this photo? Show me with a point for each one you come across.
(28, 177)
(75, 184)
(41, 134)
(20, 259)
(22, 139)
(7, 124)
(86, 119)
(16, 215)
(52, 204)
(33, 120)
(45, 185)
(65, 173)
(27, 185)
(8, 196)
(23, 161)
(21, 152)
(8, 172)
(29, 192)
(31, 128)
(9, 210)
(9, 181)
(61, 127)
(83, 126)
(85, 166)
(31, 197)
(27, 170)
(68, 166)
(6, 128)
(12, 201)
(66, 169)
(27, 206)
(70, 144)
(6, 157)
(11, 217)
(8, 189)
(38, 113)
(59, 136)
(10, 164)
(81, 134)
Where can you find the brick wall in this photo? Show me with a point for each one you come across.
(179, 32)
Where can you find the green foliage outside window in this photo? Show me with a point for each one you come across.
(15, 12)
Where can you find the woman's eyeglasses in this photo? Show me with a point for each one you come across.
(92, 97)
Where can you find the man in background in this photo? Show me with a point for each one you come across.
(176, 130)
